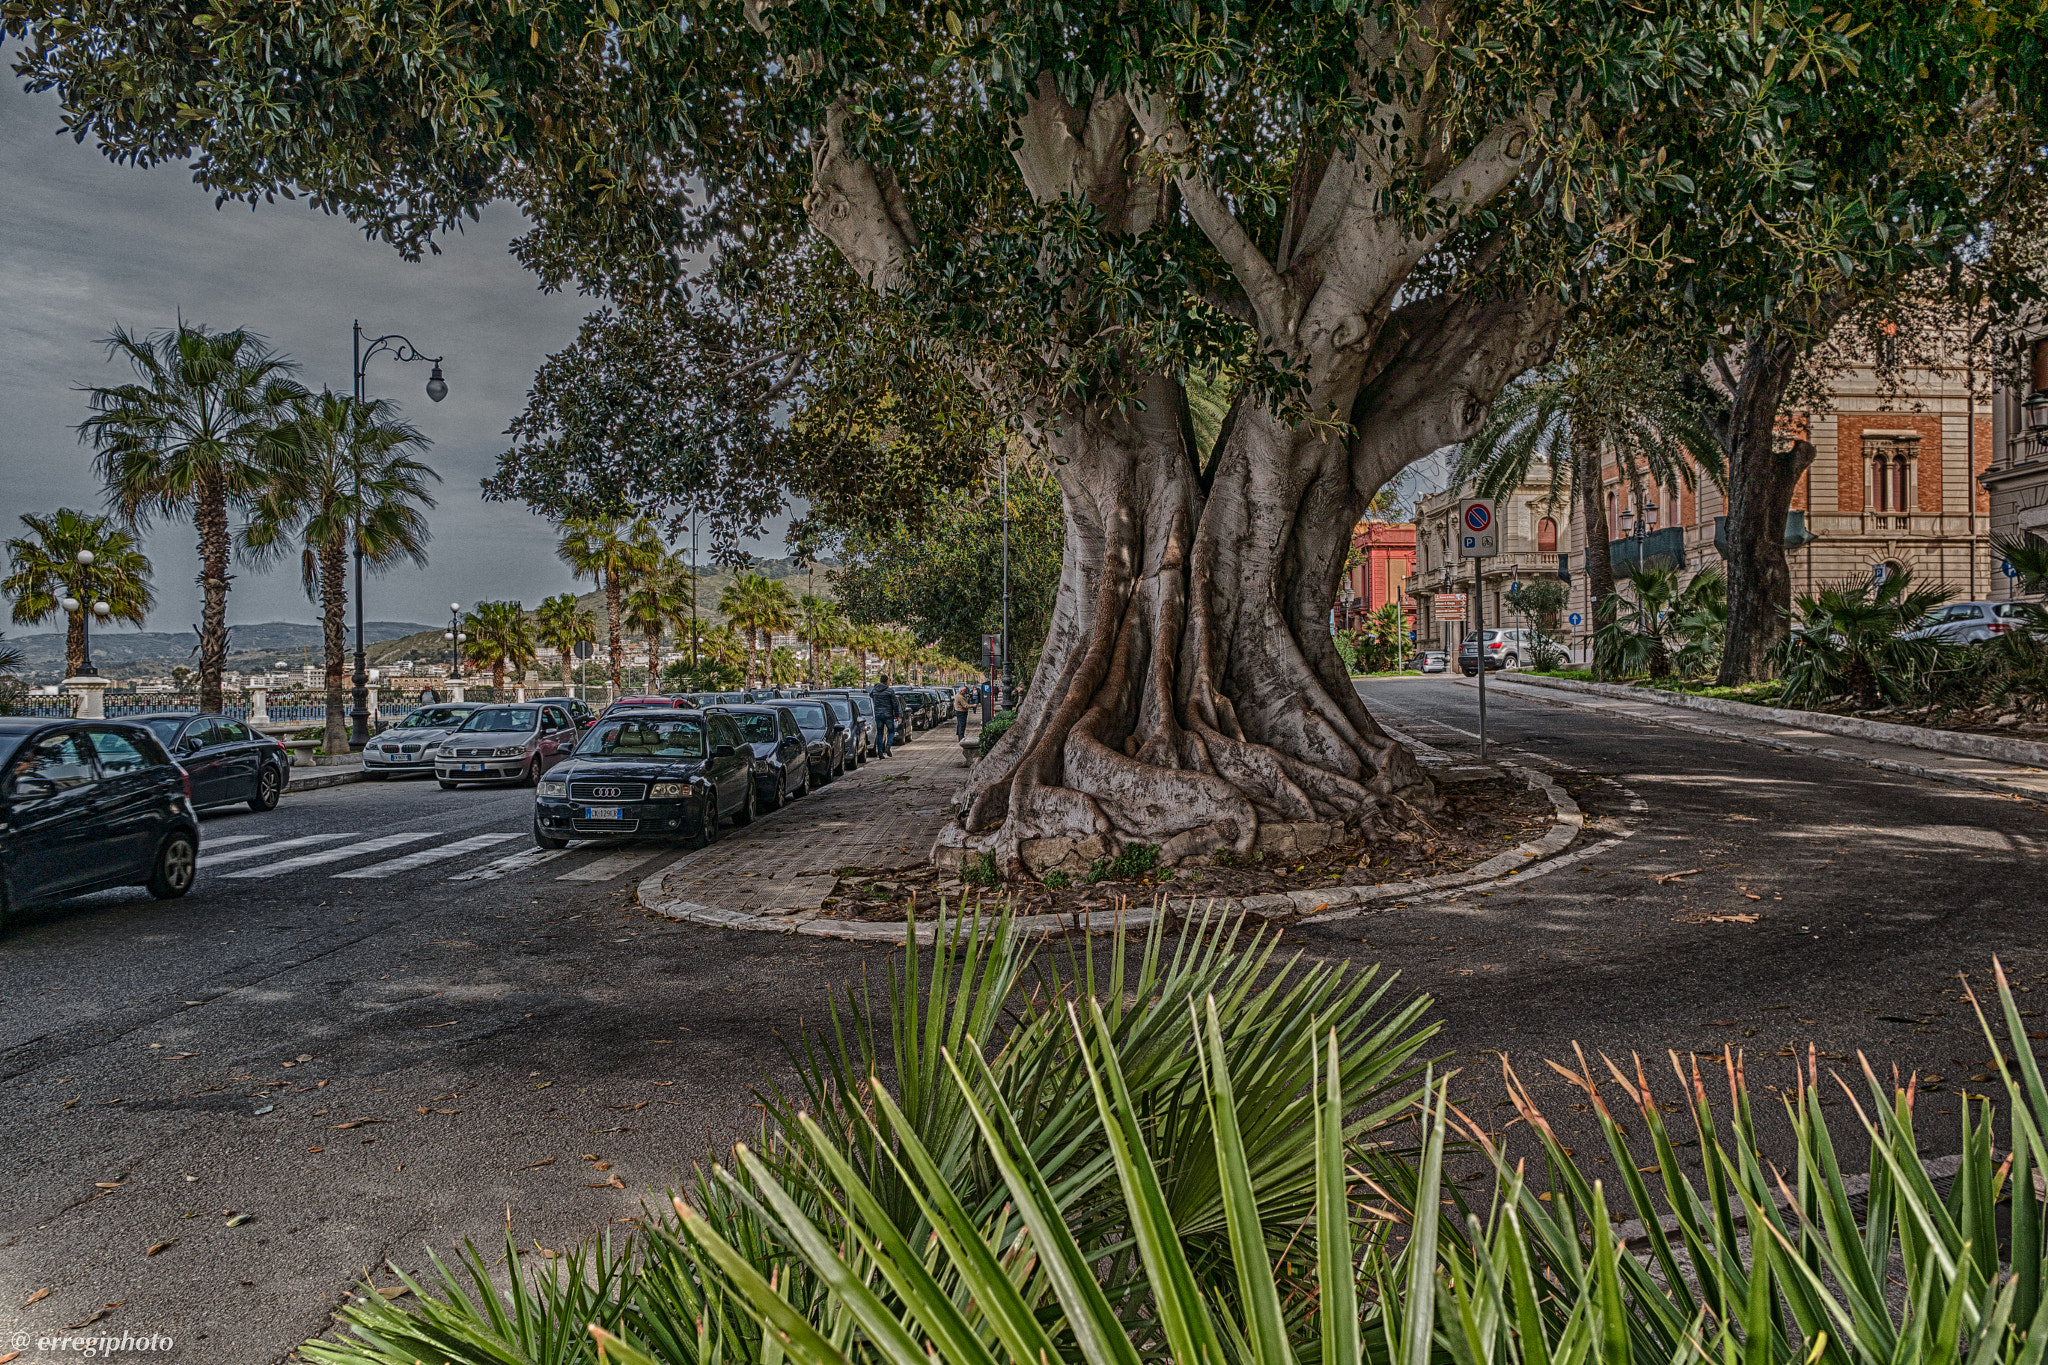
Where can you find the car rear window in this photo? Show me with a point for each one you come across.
(758, 729)
(165, 729)
(809, 714)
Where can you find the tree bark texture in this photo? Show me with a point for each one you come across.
(210, 513)
(614, 640)
(1761, 482)
(1189, 695)
(74, 639)
(333, 632)
(1599, 567)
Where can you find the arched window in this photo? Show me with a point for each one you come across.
(1546, 536)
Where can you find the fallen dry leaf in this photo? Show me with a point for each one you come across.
(161, 1246)
(543, 1085)
(396, 1291)
(1743, 918)
(600, 1165)
(1674, 876)
(11, 1355)
(613, 1184)
(450, 1024)
(630, 1107)
(316, 1149)
(1752, 895)
(89, 1319)
(447, 1111)
(36, 1297)
(549, 1162)
(108, 1184)
(353, 1123)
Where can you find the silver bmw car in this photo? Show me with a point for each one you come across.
(408, 747)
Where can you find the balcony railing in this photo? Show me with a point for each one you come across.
(1658, 549)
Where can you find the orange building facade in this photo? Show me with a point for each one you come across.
(1386, 559)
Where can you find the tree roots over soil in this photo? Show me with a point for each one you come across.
(1475, 819)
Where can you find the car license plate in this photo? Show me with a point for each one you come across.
(472, 767)
(603, 813)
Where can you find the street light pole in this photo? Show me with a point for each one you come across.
(454, 637)
(79, 607)
(437, 389)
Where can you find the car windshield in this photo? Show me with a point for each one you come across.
(434, 718)
(508, 721)
(644, 737)
(166, 728)
(758, 729)
(810, 715)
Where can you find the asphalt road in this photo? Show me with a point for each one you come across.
(544, 1024)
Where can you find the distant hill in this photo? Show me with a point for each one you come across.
(140, 653)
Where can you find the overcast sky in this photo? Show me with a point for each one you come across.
(85, 244)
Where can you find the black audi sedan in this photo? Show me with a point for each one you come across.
(825, 736)
(666, 774)
(782, 771)
(89, 805)
(227, 760)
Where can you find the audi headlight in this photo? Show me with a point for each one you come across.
(554, 788)
(510, 751)
(668, 791)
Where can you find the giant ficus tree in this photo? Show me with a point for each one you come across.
(1366, 215)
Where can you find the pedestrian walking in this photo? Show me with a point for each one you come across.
(428, 696)
(887, 709)
(961, 703)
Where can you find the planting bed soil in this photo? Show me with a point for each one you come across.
(1482, 815)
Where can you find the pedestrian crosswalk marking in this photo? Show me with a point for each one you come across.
(430, 855)
(333, 855)
(216, 841)
(216, 859)
(516, 862)
(611, 865)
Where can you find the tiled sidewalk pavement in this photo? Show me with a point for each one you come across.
(885, 814)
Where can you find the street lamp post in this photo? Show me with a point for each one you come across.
(437, 388)
(76, 606)
(454, 636)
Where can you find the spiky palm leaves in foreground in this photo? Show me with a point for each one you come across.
(1185, 1178)
(1850, 642)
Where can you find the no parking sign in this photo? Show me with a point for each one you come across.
(1478, 537)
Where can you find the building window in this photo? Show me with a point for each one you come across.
(1546, 536)
(1889, 467)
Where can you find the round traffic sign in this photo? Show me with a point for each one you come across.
(1478, 516)
(1575, 618)
(2006, 567)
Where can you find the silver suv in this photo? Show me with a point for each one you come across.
(1504, 649)
(1967, 623)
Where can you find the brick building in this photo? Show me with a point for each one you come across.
(1386, 559)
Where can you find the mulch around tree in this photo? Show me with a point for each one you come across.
(1484, 813)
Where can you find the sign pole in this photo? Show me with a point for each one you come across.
(1479, 625)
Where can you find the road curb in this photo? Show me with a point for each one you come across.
(1533, 856)
(2021, 753)
(316, 778)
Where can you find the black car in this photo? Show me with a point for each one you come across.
(781, 768)
(579, 712)
(860, 725)
(88, 805)
(918, 711)
(825, 736)
(226, 760)
(674, 774)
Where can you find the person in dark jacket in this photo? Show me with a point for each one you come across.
(887, 711)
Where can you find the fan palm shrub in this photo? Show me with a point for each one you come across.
(1849, 643)
(559, 625)
(43, 570)
(185, 439)
(1653, 625)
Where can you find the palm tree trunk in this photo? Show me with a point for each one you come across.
(210, 513)
(1593, 513)
(653, 661)
(74, 641)
(498, 677)
(333, 614)
(611, 620)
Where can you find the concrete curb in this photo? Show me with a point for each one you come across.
(1889, 765)
(313, 779)
(2023, 753)
(1532, 857)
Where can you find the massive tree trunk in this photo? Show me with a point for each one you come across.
(1761, 482)
(1599, 567)
(614, 640)
(1188, 695)
(210, 515)
(333, 615)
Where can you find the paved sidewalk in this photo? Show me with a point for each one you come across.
(883, 815)
(2023, 782)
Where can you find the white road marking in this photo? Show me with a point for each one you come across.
(216, 859)
(431, 855)
(216, 842)
(335, 855)
(499, 867)
(611, 865)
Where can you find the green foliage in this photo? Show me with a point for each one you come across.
(1651, 625)
(1848, 643)
(993, 730)
(559, 625)
(844, 675)
(1055, 881)
(1347, 650)
(1098, 870)
(980, 870)
(500, 637)
(1547, 655)
(710, 675)
(945, 582)
(43, 570)
(1133, 861)
(1540, 599)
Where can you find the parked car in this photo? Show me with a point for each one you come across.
(917, 708)
(579, 711)
(644, 703)
(863, 721)
(506, 742)
(1505, 649)
(1967, 623)
(226, 760)
(781, 770)
(729, 698)
(668, 773)
(825, 736)
(1432, 661)
(88, 805)
(409, 745)
(859, 732)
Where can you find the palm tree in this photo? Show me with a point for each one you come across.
(757, 606)
(500, 636)
(1851, 641)
(819, 624)
(1605, 400)
(184, 440)
(658, 599)
(611, 550)
(342, 479)
(45, 571)
(863, 641)
(725, 646)
(561, 627)
(783, 667)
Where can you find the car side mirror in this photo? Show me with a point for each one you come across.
(722, 751)
(34, 788)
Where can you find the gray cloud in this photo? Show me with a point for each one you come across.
(86, 244)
